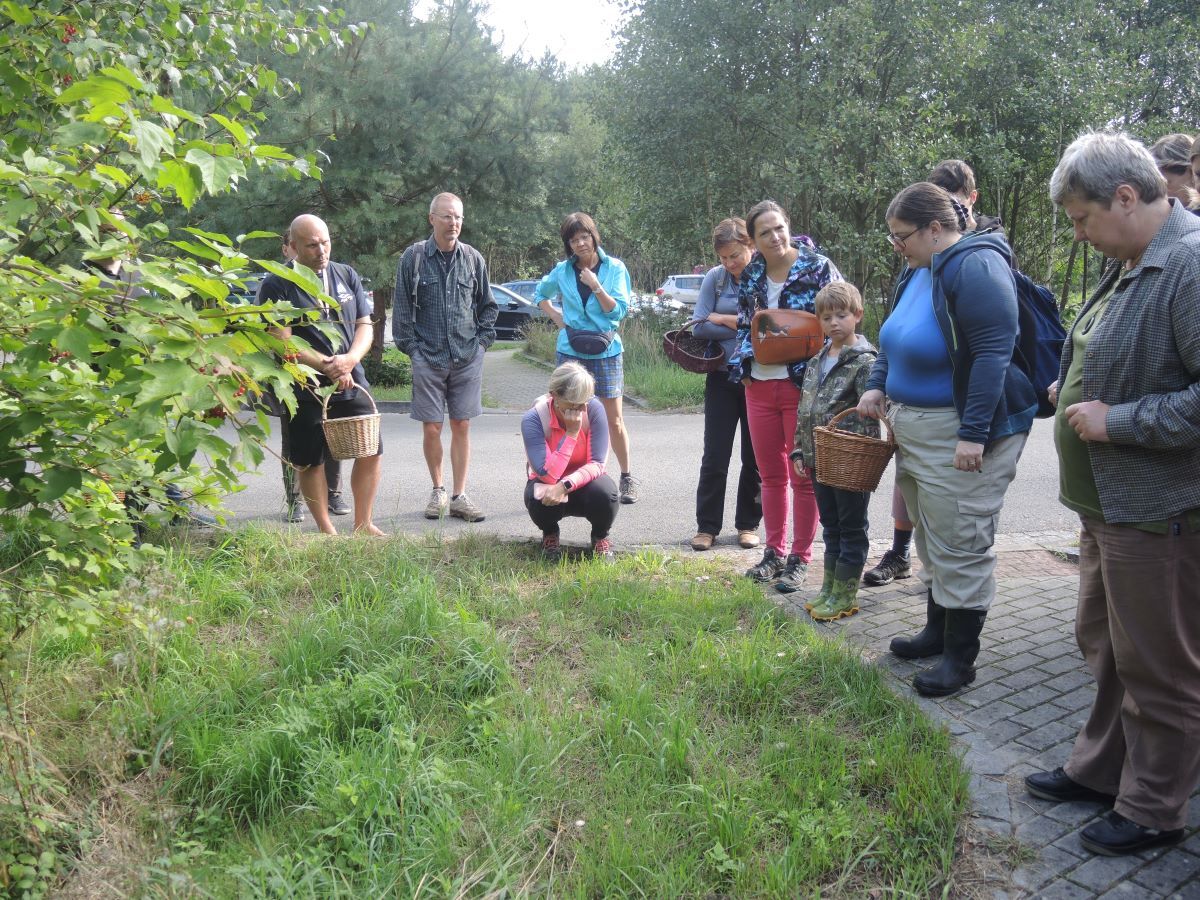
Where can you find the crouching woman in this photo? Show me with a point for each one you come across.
(566, 445)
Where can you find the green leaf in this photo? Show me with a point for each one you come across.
(162, 105)
(153, 141)
(126, 76)
(216, 172)
(73, 134)
(184, 180)
(167, 379)
(76, 341)
(238, 132)
(57, 481)
(95, 90)
(19, 13)
(204, 252)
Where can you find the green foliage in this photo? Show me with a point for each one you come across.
(392, 369)
(440, 719)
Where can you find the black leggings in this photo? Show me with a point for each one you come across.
(596, 501)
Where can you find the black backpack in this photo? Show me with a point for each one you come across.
(1040, 336)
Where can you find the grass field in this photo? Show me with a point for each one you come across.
(388, 718)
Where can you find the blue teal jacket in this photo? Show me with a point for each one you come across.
(560, 282)
(977, 315)
(809, 273)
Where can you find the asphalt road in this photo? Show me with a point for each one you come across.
(666, 457)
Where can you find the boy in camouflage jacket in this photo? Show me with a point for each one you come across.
(833, 381)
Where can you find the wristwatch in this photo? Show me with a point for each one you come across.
(566, 482)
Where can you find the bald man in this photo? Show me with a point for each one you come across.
(338, 359)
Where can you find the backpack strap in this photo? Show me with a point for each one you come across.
(418, 257)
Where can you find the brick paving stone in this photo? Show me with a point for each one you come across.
(1072, 813)
(1047, 735)
(1041, 831)
(1037, 715)
(986, 693)
(1048, 868)
(987, 713)
(1125, 890)
(1059, 665)
(1080, 678)
(1069, 843)
(1170, 871)
(1022, 678)
(1101, 872)
(1002, 730)
(1034, 696)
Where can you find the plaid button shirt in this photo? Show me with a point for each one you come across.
(446, 321)
(1143, 359)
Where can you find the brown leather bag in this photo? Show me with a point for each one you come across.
(785, 335)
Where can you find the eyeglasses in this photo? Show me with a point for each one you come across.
(581, 238)
(899, 239)
(449, 218)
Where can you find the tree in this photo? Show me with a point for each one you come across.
(105, 393)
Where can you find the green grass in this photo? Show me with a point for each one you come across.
(649, 375)
(399, 392)
(389, 718)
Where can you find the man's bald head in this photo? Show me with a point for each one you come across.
(308, 237)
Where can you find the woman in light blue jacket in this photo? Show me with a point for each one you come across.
(595, 289)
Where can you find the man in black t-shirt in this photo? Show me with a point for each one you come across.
(336, 354)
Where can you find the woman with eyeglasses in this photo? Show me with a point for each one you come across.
(960, 414)
(595, 290)
(785, 273)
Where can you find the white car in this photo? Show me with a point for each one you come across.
(684, 288)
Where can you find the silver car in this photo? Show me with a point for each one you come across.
(682, 288)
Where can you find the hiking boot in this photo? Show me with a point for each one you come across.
(337, 506)
(747, 538)
(823, 594)
(768, 568)
(842, 600)
(551, 549)
(602, 549)
(929, 640)
(628, 489)
(461, 507)
(1114, 835)
(703, 540)
(438, 503)
(296, 514)
(893, 565)
(791, 579)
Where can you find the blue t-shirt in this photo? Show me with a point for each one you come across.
(919, 370)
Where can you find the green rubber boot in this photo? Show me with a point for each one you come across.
(826, 588)
(842, 601)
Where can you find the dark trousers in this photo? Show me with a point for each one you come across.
(844, 526)
(596, 501)
(333, 468)
(1137, 626)
(724, 411)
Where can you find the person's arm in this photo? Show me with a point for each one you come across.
(598, 430)
(548, 463)
(546, 291)
(486, 308)
(340, 366)
(985, 311)
(614, 292)
(712, 326)
(403, 334)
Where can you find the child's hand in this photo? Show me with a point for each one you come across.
(798, 465)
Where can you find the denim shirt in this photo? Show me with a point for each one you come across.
(446, 322)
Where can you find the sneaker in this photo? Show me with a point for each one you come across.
(337, 506)
(461, 507)
(296, 513)
(1059, 787)
(195, 518)
(438, 504)
(768, 568)
(747, 538)
(629, 489)
(551, 549)
(893, 565)
(792, 577)
(602, 549)
(703, 540)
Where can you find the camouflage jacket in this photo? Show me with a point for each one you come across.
(821, 400)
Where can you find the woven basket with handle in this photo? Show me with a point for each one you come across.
(851, 461)
(354, 436)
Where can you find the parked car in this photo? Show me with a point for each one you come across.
(523, 288)
(516, 313)
(684, 288)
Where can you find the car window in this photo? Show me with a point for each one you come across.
(691, 284)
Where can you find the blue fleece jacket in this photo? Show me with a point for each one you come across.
(977, 315)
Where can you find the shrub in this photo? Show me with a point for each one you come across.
(393, 369)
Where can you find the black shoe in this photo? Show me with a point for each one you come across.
(195, 518)
(961, 646)
(337, 506)
(893, 565)
(930, 640)
(1115, 835)
(296, 513)
(1059, 787)
(768, 568)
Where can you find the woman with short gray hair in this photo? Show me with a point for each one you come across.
(1095, 165)
(566, 445)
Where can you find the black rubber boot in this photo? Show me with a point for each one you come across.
(931, 638)
(957, 668)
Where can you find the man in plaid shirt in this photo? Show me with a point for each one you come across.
(443, 318)
(1128, 438)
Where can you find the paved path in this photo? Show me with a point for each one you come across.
(1022, 714)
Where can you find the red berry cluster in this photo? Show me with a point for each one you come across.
(69, 31)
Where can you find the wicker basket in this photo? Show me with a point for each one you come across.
(852, 462)
(692, 353)
(354, 436)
